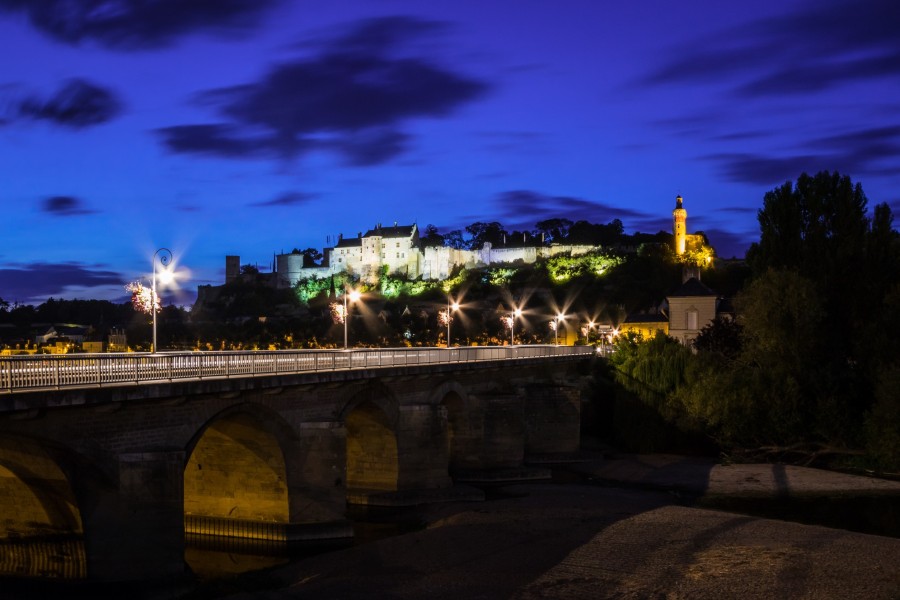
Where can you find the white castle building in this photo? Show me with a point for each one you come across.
(364, 256)
(397, 249)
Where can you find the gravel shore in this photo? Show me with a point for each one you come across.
(583, 541)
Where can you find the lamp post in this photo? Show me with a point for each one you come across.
(164, 257)
(559, 319)
(354, 296)
(512, 325)
(455, 307)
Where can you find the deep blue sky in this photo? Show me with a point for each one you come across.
(251, 127)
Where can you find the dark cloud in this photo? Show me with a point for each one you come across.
(518, 209)
(372, 147)
(766, 170)
(865, 151)
(138, 24)
(865, 145)
(351, 98)
(77, 104)
(35, 282)
(288, 199)
(819, 46)
(215, 140)
(65, 206)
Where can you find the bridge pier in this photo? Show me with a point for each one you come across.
(317, 486)
(503, 433)
(422, 447)
(552, 416)
(136, 532)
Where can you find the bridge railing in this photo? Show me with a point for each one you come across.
(22, 373)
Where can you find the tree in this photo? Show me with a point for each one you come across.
(819, 228)
(721, 338)
(311, 257)
(454, 239)
(554, 230)
(482, 233)
(431, 237)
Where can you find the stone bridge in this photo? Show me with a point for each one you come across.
(104, 476)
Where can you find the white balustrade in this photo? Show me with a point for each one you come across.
(22, 373)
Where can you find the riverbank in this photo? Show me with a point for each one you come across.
(604, 541)
(620, 526)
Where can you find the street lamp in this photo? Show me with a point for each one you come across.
(559, 319)
(354, 296)
(164, 257)
(454, 307)
(512, 325)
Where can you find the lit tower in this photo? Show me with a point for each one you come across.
(679, 226)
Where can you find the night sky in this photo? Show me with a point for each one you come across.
(252, 127)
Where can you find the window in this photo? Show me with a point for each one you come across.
(693, 319)
(398, 244)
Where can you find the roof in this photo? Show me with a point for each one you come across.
(349, 242)
(402, 231)
(691, 288)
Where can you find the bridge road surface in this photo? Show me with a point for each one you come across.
(591, 542)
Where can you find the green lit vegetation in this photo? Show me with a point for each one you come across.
(564, 267)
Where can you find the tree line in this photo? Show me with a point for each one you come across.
(811, 365)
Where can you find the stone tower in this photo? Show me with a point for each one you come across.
(679, 226)
(232, 268)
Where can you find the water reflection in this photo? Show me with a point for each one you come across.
(220, 557)
(214, 557)
(47, 557)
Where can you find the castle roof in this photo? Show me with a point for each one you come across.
(401, 231)
(692, 287)
(349, 243)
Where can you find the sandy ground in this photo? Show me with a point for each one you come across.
(581, 541)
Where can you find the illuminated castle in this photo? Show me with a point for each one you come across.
(397, 250)
(679, 226)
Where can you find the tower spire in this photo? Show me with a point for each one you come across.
(679, 225)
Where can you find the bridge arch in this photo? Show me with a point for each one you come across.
(42, 530)
(370, 418)
(455, 401)
(240, 466)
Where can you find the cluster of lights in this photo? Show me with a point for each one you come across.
(142, 299)
(337, 312)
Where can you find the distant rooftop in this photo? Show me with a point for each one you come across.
(692, 287)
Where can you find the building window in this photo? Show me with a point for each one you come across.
(693, 319)
(398, 244)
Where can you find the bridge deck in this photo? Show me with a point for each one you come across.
(55, 372)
